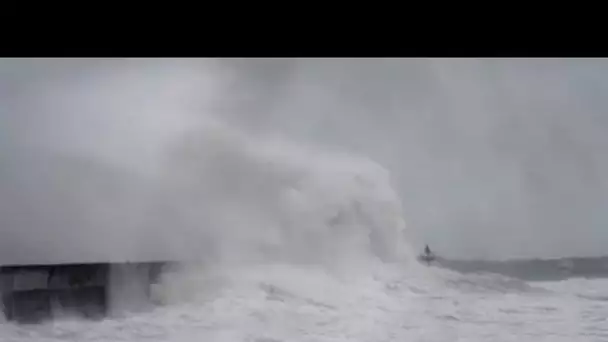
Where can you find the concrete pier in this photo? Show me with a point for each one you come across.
(31, 293)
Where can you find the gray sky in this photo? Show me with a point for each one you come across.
(492, 158)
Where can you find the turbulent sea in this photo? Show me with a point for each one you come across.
(382, 303)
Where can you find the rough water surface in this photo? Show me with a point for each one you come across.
(286, 303)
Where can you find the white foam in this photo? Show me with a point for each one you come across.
(256, 199)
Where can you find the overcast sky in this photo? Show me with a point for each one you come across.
(492, 158)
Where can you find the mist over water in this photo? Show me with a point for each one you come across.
(301, 160)
(492, 158)
(92, 182)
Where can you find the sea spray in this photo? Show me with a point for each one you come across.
(259, 200)
(253, 193)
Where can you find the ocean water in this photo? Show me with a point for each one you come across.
(287, 303)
